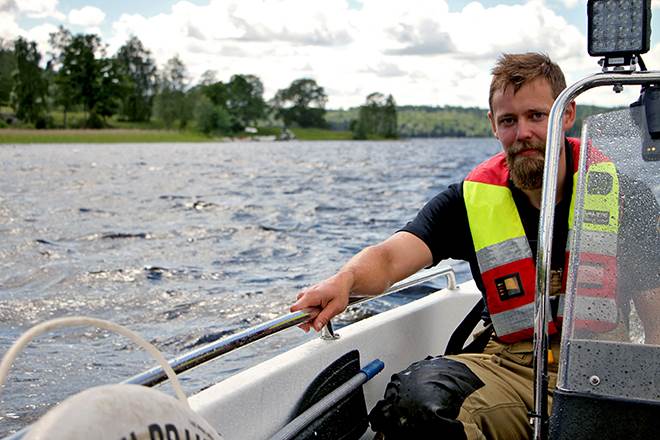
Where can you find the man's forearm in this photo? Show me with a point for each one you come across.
(376, 268)
(368, 273)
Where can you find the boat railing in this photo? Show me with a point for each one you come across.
(213, 350)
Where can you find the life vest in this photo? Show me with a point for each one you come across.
(505, 257)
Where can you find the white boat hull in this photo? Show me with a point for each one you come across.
(256, 403)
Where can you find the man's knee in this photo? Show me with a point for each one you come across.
(425, 398)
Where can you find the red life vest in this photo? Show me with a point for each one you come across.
(505, 258)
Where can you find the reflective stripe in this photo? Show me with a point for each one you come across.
(591, 308)
(596, 242)
(571, 209)
(515, 320)
(503, 253)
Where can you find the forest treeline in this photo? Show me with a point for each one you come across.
(77, 78)
(446, 121)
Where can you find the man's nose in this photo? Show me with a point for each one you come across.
(524, 130)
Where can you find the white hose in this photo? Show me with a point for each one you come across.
(17, 347)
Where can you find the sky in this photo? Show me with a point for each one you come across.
(423, 52)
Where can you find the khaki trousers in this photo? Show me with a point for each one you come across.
(499, 410)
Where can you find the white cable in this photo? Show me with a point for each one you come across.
(73, 321)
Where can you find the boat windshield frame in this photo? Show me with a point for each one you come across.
(554, 144)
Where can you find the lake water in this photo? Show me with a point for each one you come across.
(187, 243)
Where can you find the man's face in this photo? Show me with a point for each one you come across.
(520, 122)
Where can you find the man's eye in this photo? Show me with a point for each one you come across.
(538, 116)
(507, 122)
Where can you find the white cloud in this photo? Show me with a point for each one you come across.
(421, 51)
(486, 32)
(9, 29)
(12, 10)
(38, 8)
(655, 4)
(41, 34)
(87, 16)
(301, 22)
(386, 70)
(7, 5)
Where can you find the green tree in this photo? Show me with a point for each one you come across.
(29, 91)
(217, 92)
(245, 100)
(111, 88)
(85, 70)
(302, 103)
(390, 124)
(376, 117)
(64, 86)
(170, 103)
(211, 118)
(81, 75)
(7, 67)
(208, 77)
(137, 71)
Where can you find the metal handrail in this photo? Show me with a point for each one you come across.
(218, 348)
(549, 193)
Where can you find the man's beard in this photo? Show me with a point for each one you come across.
(526, 171)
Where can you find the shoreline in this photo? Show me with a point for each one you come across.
(18, 136)
(10, 136)
(104, 135)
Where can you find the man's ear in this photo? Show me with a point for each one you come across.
(569, 116)
(493, 127)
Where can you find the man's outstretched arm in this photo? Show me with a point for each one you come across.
(369, 272)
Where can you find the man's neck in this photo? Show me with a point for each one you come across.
(534, 195)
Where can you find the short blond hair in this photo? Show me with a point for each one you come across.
(519, 69)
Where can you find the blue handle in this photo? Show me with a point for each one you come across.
(373, 368)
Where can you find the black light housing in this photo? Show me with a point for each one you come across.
(619, 28)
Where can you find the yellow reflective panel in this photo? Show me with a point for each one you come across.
(601, 201)
(492, 214)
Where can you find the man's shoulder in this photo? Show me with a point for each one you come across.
(493, 170)
(449, 195)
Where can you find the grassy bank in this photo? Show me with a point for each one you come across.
(125, 135)
(320, 134)
(28, 136)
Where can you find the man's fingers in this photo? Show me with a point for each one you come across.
(321, 296)
(326, 314)
(302, 302)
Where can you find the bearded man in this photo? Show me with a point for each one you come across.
(490, 220)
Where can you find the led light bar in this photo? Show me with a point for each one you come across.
(619, 27)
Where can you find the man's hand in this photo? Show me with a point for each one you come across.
(368, 273)
(331, 296)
